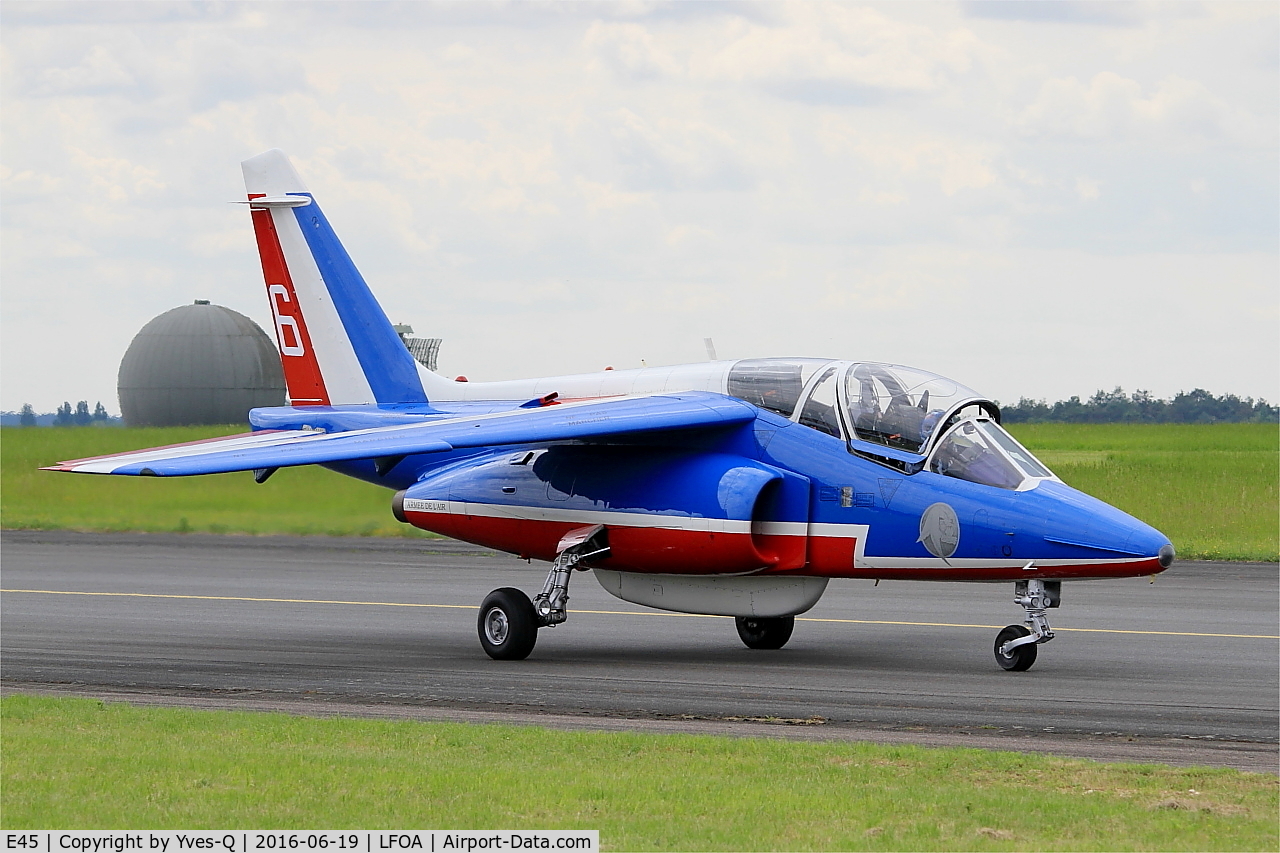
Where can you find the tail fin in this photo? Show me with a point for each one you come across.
(336, 344)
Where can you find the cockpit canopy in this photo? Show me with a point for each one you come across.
(900, 416)
(773, 383)
(980, 451)
(901, 406)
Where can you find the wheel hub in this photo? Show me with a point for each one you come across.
(496, 626)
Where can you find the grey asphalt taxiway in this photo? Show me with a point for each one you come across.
(1183, 671)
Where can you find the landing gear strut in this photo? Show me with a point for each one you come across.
(1016, 644)
(509, 621)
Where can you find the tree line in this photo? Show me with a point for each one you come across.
(1187, 407)
(66, 416)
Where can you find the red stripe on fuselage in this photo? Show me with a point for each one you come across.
(637, 549)
(664, 550)
(301, 371)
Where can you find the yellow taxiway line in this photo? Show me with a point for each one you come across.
(613, 612)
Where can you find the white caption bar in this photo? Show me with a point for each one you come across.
(261, 841)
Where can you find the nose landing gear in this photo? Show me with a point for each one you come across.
(1015, 646)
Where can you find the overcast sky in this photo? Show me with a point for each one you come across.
(1034, 199)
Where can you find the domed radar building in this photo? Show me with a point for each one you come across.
(198, 364)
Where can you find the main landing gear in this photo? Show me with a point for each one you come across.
(759, 632)
(1016, 644)
(509, 622)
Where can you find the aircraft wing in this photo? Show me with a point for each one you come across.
(583, 420)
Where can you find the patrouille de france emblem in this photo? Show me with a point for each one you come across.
(940, 530)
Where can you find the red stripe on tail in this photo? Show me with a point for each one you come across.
(301, 371)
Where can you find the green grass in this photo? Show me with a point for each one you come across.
(1211, 488)
(303, 501)
(89, 765)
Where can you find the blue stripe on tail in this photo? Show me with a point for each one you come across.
(387, 364)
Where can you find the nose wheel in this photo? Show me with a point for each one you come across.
(1015, 646)
(1017, 658)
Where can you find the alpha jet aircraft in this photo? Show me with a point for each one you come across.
(736, 488)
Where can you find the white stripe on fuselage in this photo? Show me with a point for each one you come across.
(585, 517)
(709, 376)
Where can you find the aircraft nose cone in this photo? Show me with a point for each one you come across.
(1078, 521)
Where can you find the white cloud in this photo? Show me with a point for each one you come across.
(949, 164)
(602, 197)
(1088, 189)
(98, 72)
(854, 45)
(675, 154)
(1114, 13)
(117, 179)
(458, 52)
(1113, 107)
(630, 51)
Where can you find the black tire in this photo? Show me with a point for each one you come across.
(1021, 658)
(758, 632)
(508, 625)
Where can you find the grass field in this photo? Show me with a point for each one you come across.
(81, 763)
(1211, 488)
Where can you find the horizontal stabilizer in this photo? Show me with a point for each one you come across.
(278, 201)
(591, 420)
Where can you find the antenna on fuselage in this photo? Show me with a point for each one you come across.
(711, 349)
